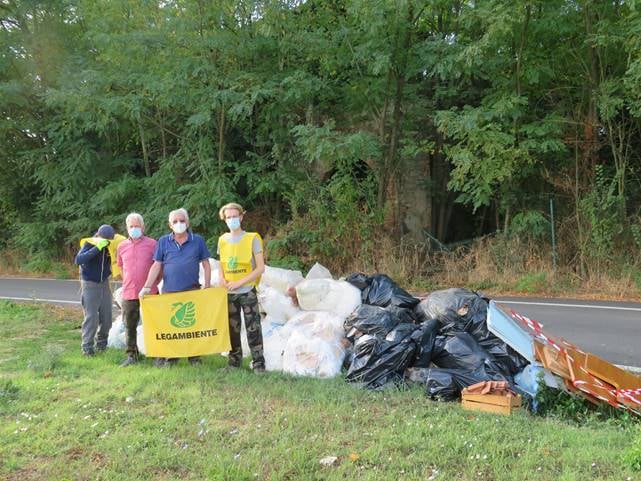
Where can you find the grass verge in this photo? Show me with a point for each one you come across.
(64, 416)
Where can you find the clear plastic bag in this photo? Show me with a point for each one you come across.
(314, 345)
(338, 297)
(117, 335)
(277, 305)
(280, 279)
(319, 271)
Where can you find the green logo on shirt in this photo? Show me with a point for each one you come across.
(184, 314)
(232, 262)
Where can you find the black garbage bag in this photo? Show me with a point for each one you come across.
(461, 351)
(358, 279)
(362, 351)
(402, 314)
(380, 360)
(447, 384)
(504, 356)
(457, 310)
(420, 315)
(383, 291)
(370, 320)
(380, 290)
(424, 337)
(461, 310)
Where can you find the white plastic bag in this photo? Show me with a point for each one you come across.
(215, 269)
(278, 306)
(140, 340)
(319, 271)
(117, 337)
(338, 297)
(117, 297)
(243, 338)
(274, 341)
(280, 279)
(314, 345)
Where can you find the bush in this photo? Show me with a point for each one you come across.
(530, 223)
(40, 263)
(532, 283)
(633, 454)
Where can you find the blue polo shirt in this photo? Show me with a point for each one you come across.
(180, 262)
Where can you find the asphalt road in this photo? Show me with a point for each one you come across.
(611, 330)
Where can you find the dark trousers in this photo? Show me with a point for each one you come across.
(96, 301)
(248, 303)
(131, 318)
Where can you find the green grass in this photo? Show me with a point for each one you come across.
(66, 417)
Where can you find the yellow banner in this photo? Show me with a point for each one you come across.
(183, 324)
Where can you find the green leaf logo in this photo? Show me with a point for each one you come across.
(184, 314)
(232, 262)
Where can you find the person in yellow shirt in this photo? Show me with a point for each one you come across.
(242, 263)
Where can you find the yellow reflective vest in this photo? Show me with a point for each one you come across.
(236, 258)
(112, 248)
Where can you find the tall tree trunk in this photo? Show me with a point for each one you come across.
(160, 118)
(145, 153)
(577, 207)
(416, 208)
(399, 71)
(221, 138)
(590, 127)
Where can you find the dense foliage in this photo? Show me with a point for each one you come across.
(337, 122)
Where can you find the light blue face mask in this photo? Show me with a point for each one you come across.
(135, 232)
(233, 223)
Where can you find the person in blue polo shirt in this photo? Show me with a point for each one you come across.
(177, 256)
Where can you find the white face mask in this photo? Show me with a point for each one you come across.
(179, 227)
(135, 232)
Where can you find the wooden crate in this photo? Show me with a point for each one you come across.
(491, 403)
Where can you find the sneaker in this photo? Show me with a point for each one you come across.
(101, 350)
(258, 369)
(195, 361)
(230, 368)
(160, 362)
(88, 353)
(129, 361)
(171, 361)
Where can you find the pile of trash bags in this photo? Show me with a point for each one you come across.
(441, 342)
(375, 331)
(380, 336)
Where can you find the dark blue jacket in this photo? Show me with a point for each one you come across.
(95, 265)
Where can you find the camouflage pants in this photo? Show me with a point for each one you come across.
(248, 303)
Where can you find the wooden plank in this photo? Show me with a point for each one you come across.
(588, 397)
(489, 408)
(584, 381)
(496, 399)
(552, 359)
(619, 378)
